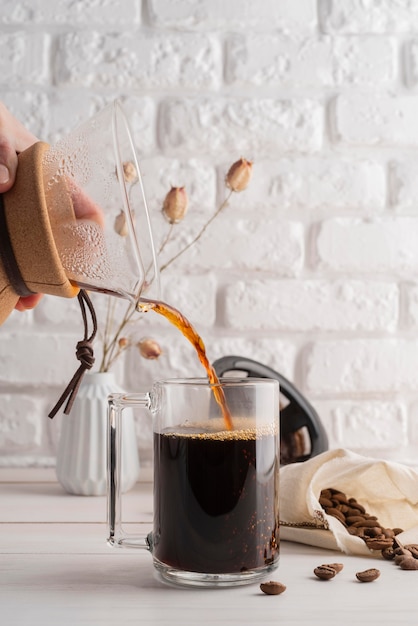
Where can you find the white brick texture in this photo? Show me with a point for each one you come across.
(312, 270)
(286, 15)
(116, 61)
(300, 305)
(258, 127)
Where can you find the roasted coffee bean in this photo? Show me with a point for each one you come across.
(340, 497)
(413, 549)
(375, 533)
(400, 555)
(326, 493)
(397, 531)
(324, 572)
(336, 513)
(409, 563)
(272, 588)
(368, 575)
(355, 505)
(365, 523)
(378, 544)
(388, 553)
(352, 519)
(336, 566)
(325, 502)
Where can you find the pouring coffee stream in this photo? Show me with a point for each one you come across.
(175, 317)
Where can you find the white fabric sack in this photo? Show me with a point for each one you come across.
(386, 489)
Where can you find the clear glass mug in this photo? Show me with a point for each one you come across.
(216, 490)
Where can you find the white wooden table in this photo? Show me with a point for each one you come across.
(56, 569)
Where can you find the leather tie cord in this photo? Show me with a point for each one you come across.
(7, 257)
(84, 354)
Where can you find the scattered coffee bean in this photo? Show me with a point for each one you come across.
(325, 572)
(368, 575)
(409, 563)
(272, 588)
(337, 566)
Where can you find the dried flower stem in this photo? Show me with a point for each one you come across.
(109, 347)
(199, 234)
(113, 342)
(166, 239)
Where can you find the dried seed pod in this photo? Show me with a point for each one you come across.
(149, 348)
(123, 343)
(368, 576)
(325, 572)
(175, 205)
(272, 588)
(239, 175)
(129, 172)
(120, 225)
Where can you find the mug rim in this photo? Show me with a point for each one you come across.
(225, 381)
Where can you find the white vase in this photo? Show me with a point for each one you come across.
(82, 450)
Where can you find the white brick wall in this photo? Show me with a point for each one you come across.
(314, 269)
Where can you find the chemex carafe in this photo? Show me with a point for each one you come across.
(76, 217)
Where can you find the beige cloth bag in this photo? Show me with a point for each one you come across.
(386, 489)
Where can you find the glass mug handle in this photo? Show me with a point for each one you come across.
(117, 537)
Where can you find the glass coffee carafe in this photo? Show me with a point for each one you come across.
(77, 217)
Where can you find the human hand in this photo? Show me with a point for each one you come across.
(14, 138)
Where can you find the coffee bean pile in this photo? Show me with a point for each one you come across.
(361, 524)
(357, 521)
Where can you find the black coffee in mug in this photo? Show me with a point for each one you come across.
(216, 499)
(216, 481)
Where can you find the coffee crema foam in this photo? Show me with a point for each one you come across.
(213, 430)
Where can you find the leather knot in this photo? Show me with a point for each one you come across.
(85, 354)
